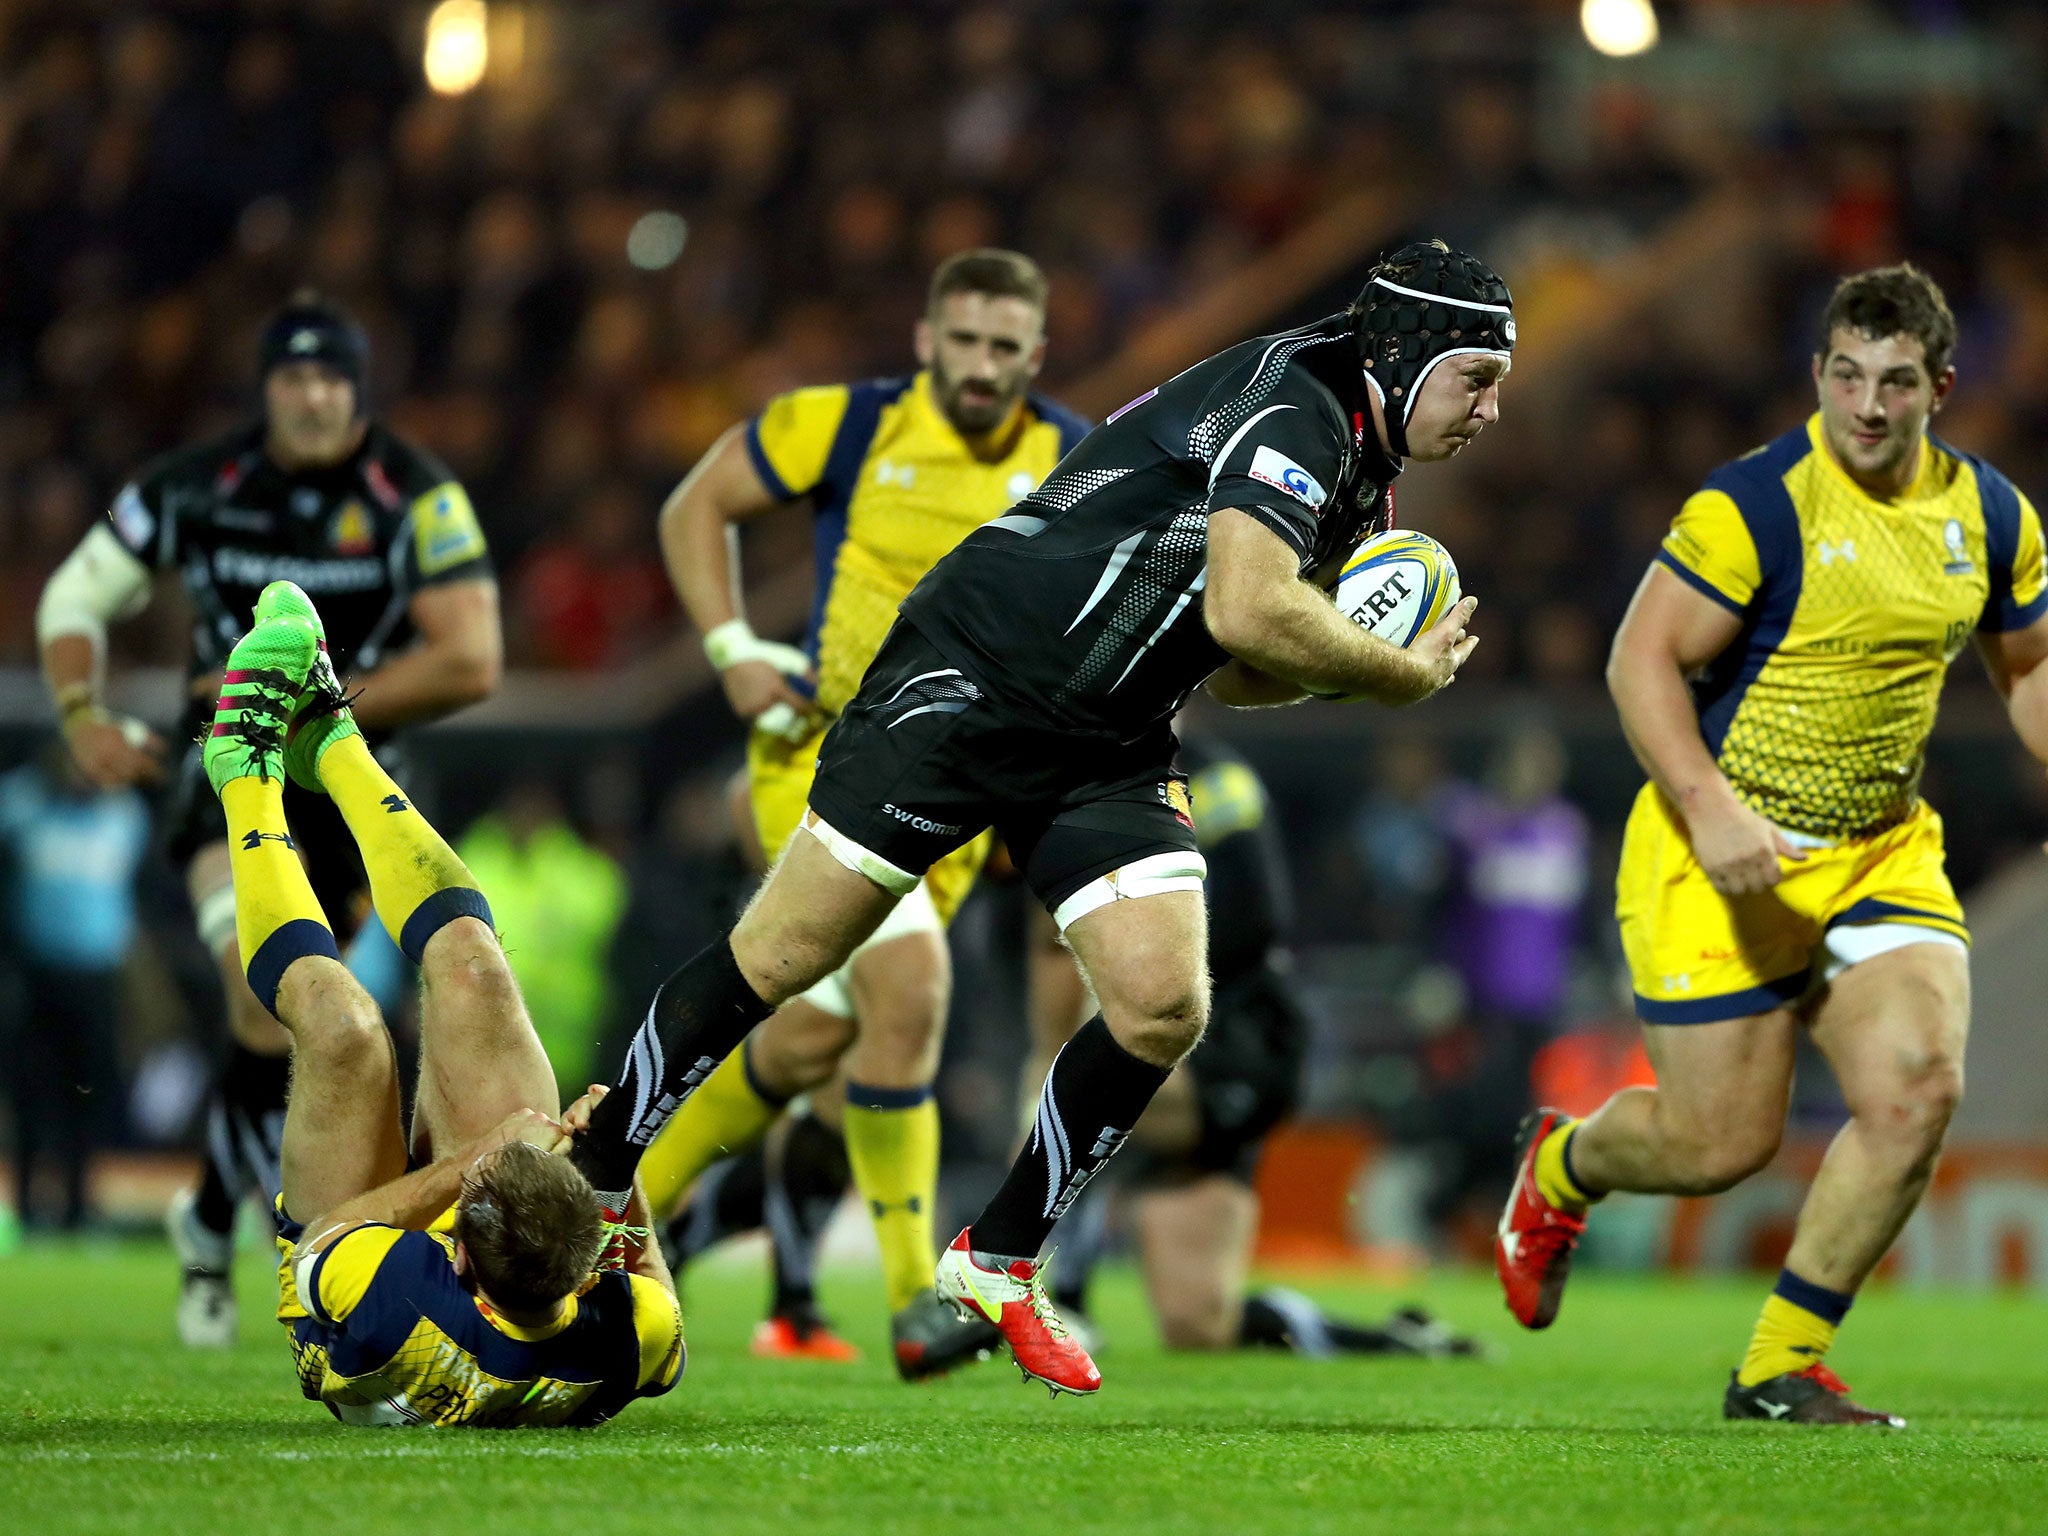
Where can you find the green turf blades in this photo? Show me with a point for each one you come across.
(259, 693)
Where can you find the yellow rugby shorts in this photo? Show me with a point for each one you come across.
(1696, 956)
(779, 785)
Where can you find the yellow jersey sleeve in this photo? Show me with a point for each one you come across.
(333, 1282)
(1711, 550)
(2020, 591)
(790, 441)
(658, 1319)
(1228, 799)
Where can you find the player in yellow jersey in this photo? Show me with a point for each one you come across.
(1777, 675)
(896, 472)
(462, 1292)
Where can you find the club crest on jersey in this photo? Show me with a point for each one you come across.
(1282, 473)
(351, 533)
(1174, 794)
(1958, 551)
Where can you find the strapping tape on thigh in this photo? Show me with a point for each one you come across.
(898, 882)
(215, 919)
(1154, 875)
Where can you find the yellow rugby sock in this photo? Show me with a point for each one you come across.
(892, 1143)
(1794, 1330)
(277, 918)
(1554, 1180)
(728, 1113)
(417, 882)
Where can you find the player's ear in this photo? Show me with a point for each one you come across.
(1943, 383)
(921, 341)
(462, 1264)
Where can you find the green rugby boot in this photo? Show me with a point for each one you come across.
(322, 716)
(259, 693)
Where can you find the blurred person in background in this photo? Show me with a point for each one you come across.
(1778, 675)
(558, 900)
(316, 491)
(896, 472)
(1518, 854)
(69, 850)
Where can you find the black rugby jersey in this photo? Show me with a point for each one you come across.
(360, 536)
(1082, 606)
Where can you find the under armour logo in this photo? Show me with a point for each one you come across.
(880, 1208)
(887, 472)
(253, 840)
(1830, 553)
(396, 803)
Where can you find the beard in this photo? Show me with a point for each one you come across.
(973, 413)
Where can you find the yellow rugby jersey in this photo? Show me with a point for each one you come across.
(1852, 608)
(384, 1333)
(895, 486)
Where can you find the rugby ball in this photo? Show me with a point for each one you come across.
(1397, 585)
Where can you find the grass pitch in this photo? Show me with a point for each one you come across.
(1608, 1423)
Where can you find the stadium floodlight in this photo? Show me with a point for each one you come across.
(458, 46)
(1619, 28)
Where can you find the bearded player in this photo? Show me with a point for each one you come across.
(896, 472)
(1777, 675)
(1030, 684)
(462, 1293)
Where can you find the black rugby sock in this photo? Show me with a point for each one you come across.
(245, 1132)
(807, 1175)
(1093, 1096)
(698, 1018)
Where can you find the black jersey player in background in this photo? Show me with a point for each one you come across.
(384, 539)
(1030, 684)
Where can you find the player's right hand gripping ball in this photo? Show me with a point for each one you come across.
(1397, 585)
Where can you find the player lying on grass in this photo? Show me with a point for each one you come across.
(1777, 675)
(462, 1292)
(1030, 684)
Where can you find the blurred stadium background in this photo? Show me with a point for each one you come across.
(588, 235)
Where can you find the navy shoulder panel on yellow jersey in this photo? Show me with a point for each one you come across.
(1072, 427)
(834, 493)
(1756, 484)
(2000, 501)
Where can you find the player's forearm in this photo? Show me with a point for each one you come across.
(700, 546)
(425, 683)
(646, 1259)
(71, 668)
(1291, 631)
(413, 1201)
(1658, 718)
(1243, 686)
(2026, 704)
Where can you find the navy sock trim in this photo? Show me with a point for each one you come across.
(761, 1090)
(1829, 1306)
(1565, 1153)
(298, 938)
(861, 1096)
(436, 913)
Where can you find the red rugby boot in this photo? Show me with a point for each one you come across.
(1014, 1300)
(1532, 1249)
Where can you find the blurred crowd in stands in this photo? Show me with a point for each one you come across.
(168, 171)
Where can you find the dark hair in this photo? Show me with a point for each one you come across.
(531, 1226)
(999, 274)
(1893, 301)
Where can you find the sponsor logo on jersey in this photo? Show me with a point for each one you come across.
(1282, 473)
(1958, 551)
(259, 568)
(351, 532)
(919, 823)
(889, 472)
(132, 519)
(445, 531)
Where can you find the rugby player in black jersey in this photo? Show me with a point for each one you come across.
(379, 532)
(1030, 685)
